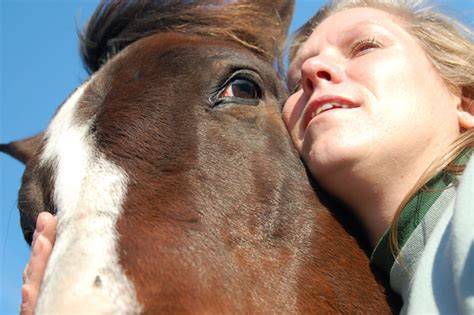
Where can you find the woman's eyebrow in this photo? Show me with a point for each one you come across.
(358, 29)
(344, 36)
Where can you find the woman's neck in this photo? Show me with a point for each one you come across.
(373, 197)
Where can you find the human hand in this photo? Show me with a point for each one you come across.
(42, 245)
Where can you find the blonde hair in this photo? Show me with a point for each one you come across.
(448, 44)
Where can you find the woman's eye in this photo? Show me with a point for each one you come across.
(364, 46)
(241, 88)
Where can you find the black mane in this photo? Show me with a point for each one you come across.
(117, 23)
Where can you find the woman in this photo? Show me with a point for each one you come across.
(383, 101)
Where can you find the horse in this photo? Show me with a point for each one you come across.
(176, 186)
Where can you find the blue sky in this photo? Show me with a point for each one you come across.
(39, 67)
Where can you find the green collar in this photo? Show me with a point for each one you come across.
(413, 213)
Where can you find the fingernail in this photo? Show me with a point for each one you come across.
(35, 236)
(37, 248)
(27, 274)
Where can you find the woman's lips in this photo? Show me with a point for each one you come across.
(323, 104)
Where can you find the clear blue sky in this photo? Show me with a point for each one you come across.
(40, 66)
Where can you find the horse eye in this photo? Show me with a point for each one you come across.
(241, 88)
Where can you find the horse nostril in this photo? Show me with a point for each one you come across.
(324, 75)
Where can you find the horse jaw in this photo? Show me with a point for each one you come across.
(83, 273)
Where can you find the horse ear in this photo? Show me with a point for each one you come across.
(22, 150)
(273, 35)
(283, 10)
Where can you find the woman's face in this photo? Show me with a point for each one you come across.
(368, 97)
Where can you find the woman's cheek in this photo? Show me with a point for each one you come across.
(292, 111)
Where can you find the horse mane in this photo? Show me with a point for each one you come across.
(117, 23)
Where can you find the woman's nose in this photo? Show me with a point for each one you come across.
(319, 70)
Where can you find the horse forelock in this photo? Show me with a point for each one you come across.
(117, 24)
(88, 192)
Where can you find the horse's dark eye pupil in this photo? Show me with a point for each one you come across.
(244, 89)
(241, 88)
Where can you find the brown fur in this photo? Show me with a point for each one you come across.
(227, 220)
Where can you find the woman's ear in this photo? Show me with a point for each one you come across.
(466, 112)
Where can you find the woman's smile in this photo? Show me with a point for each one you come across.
(326, 103)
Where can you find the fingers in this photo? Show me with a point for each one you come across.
(42, 245)
(46, 225)
(38, 260)
(34, 273)
(29, 296)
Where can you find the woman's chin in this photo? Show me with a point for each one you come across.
(328, 161)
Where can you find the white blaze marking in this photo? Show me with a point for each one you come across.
(83, 275)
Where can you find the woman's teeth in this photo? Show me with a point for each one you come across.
(326, 107)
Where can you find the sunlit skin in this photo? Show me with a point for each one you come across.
(400, 114)
(43, 241)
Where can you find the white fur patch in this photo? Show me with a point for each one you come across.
(83, 275)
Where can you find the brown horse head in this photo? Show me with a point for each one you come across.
(175, 183)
